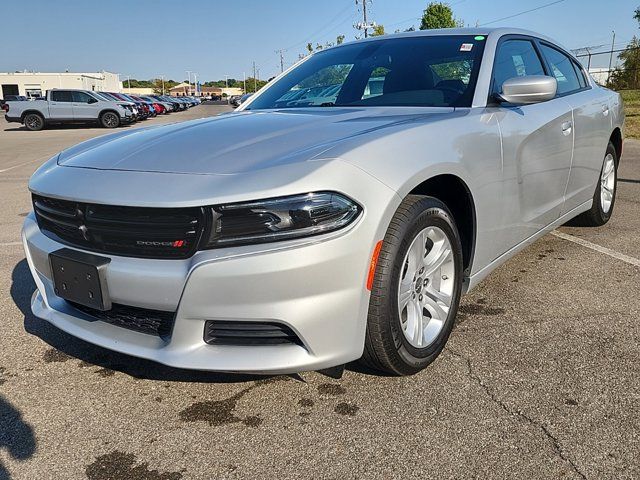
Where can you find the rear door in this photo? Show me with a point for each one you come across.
(537, 142)
(61, 105)
(84, 106)
(592, 124)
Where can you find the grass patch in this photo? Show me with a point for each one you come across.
(631, 100)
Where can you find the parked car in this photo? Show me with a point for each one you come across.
(69, 106)
(281, 238)
(234, 100)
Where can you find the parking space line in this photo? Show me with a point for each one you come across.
(19, 165)
(9, 244)
(597, 248)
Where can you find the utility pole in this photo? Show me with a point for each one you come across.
(613, 42)
(255, 79)
(281, 53)
(364, 24)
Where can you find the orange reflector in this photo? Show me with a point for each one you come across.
(372, 265)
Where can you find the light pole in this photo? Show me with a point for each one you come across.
(195, 83)
(226, 85)
(129, 83)
(189, 80)
(244, 75)
(162, 77)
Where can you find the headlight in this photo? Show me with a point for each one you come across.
(281, 218)
(125, 106)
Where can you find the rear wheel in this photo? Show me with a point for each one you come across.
(604, 197)
(110, 120)
(416, 288)
(33, 122)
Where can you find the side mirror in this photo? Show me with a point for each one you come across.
(92, 100)
(528, 89)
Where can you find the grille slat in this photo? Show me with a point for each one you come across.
(143, 320)
(144, 232)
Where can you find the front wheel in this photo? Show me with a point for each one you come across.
(604, 198)
(110, 120)
(416, 288)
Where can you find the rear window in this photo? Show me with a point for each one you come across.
(61, 96)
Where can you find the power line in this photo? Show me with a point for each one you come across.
(522, 13)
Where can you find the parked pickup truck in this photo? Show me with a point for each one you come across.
(69, 106)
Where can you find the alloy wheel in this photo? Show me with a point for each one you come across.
(426, 287)
(607, 183)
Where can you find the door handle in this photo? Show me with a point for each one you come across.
(605, 110)
(566, 128)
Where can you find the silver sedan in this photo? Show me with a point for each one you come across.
(338, 214)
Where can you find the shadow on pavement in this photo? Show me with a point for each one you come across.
(16, 436)
(22, 288)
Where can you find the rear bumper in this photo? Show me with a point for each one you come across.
(12, 119)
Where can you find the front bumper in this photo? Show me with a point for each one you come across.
(315, 286)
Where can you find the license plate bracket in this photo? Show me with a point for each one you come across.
(81, 278)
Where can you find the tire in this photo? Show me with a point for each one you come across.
(600, 212)
(388, 347)
(110, 120)
(33, 122)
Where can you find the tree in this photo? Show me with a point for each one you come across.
(378, 30)
(627, 75)
(439, 15)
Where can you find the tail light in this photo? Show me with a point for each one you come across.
(5, 107)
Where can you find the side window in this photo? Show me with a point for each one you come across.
(580, 73)
(375, 84)
(515, 58)
(80, 97)
(562, 68)
(61, 96)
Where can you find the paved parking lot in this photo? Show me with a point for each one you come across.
(539, 379)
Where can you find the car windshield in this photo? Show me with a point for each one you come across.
(427, 71)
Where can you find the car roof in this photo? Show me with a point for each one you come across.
(493, 32)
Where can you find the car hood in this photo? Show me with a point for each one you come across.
(239, 142)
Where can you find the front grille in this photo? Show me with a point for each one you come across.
(219, 332)
(127, 231)
(144, 320)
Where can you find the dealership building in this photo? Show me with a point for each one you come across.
(35, 84)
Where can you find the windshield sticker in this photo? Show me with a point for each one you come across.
(466, 47)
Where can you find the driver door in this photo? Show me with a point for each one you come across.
(537, 143)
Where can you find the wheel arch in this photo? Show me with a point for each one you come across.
(456, 195)
(616, 139)
(110, 110)
(27, 112)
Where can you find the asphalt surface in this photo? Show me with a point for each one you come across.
(539, 379)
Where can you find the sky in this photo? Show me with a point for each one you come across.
(149, 38)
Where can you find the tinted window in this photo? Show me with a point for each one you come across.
(515, 58)
(435, 71)
(81, 97)
(61, 96)
(580, 73)
(562, 68)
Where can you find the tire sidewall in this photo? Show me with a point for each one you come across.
(602, 216)
(427, 212)
(26, 122)
(105, 115)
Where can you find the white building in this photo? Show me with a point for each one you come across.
(35, 84)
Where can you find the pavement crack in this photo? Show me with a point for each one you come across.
(555, 443)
